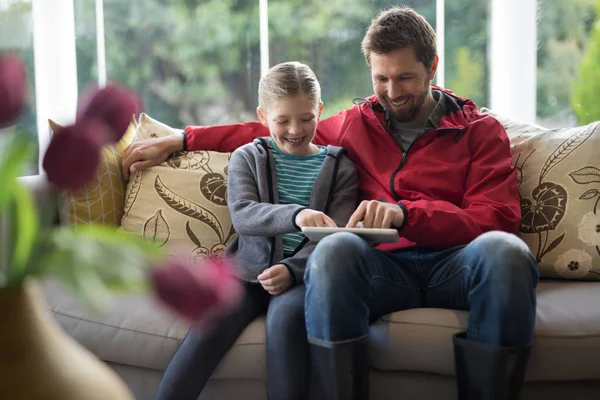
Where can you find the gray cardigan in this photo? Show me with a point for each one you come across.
(260, 220)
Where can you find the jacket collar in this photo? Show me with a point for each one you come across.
(459, 111)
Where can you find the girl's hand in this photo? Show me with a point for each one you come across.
(276, 279)
(308, 217)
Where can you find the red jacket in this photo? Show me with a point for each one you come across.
(454, 182)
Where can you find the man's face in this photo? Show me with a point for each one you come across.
(401, 82)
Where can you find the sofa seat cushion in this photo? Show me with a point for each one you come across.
(136, 331)
(567, 345)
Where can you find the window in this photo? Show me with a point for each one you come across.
(160, 49)
(16, 36)
(198, 62)
(466, 49)
(192, 62)
(564, 33)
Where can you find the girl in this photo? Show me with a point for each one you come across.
(276, 186)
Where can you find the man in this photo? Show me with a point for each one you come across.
(440, 172)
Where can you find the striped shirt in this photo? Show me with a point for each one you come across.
(296, 176)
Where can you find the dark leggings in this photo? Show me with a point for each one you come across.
(287, 347)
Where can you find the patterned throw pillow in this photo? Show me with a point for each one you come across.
(180, 204)
(559, 186)
(150, 128)
(100, 201)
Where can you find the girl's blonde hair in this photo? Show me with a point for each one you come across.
(285, 80)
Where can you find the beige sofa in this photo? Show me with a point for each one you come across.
(411, 351)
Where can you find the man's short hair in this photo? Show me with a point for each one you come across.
(399, 27)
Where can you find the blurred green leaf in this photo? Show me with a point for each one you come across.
(12, 159)
(586, 98)
(95, 261)
(26, 230)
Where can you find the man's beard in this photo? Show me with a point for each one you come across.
(410, 110)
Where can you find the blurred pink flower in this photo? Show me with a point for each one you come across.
(114, 105)
(73, 155)
(198, 292)
(13, 88)
(103, 116)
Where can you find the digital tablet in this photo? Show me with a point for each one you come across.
(369, 234)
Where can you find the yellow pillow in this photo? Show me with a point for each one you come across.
(102, 200)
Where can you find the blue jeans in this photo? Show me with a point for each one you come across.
(351, 284)
(287, 347)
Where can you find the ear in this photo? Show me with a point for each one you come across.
(262, 116)
(321, 105)
(434, 66)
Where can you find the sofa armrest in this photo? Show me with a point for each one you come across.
(45, 197)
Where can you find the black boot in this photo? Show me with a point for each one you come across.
(488, 372)
(341, 372)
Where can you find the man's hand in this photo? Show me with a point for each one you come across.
(376, 214)
(148, 152)
(276, 279)
(308, 217)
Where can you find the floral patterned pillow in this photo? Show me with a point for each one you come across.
(559, 186)
(180, 204)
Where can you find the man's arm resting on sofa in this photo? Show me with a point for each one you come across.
(148, 152)
(225, 138)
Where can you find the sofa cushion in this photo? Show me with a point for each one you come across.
(181, 203)
(101, 200)
(558, 172)
(567, 344)
(149, 128)
(136, 331)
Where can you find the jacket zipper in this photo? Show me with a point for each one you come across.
(402, 160)
(271, 195)
(336, 167)
(405, 153)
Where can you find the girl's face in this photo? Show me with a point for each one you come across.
(292, 122)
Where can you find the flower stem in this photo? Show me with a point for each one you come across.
(5, 253)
